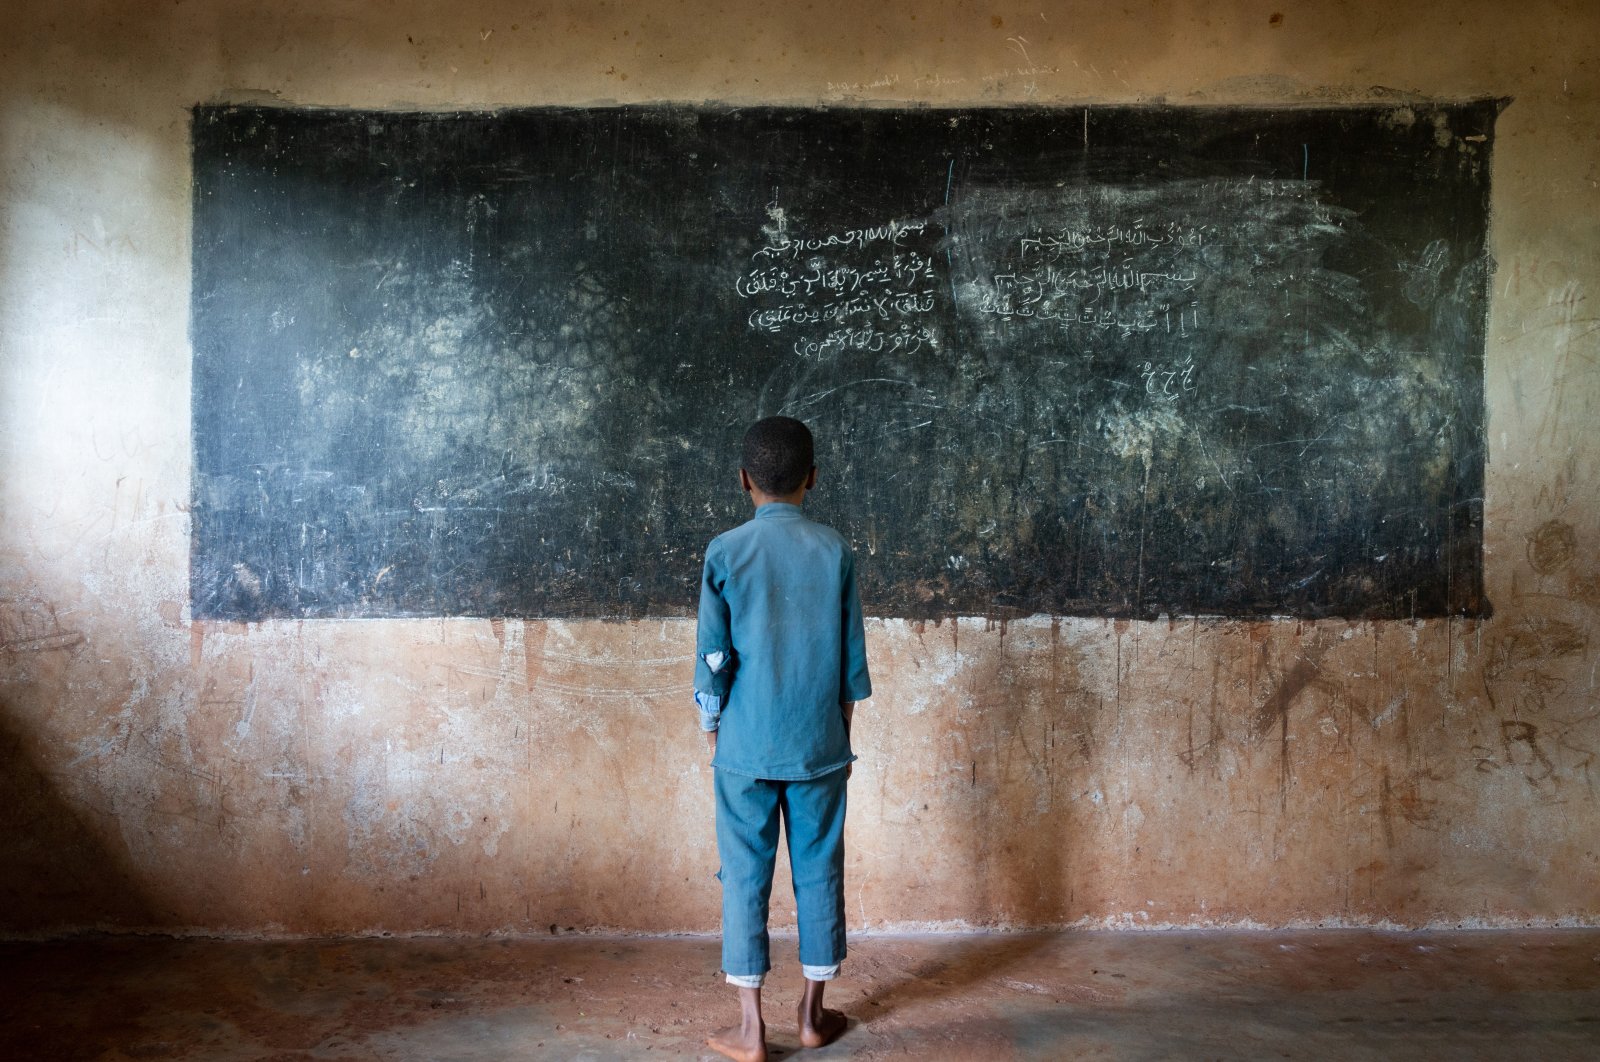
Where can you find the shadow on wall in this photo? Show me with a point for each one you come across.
(1018, 834)
(57, 867)
(1008, 757)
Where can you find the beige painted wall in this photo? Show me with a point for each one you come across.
(464, 775)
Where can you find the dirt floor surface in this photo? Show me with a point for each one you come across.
(1080, 995)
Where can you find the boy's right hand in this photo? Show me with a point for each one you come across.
(848, 708)
(711, 741)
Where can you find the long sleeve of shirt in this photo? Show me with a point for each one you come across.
(714, 658)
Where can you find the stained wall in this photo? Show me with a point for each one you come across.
(477, 775)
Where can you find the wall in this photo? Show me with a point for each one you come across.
(472, 775)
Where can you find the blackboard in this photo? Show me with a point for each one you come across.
(1113, 361)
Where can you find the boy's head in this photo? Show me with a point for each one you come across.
(778, 455)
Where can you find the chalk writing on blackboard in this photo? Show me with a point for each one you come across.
(859, 290)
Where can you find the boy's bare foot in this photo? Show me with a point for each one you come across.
(740, 1044)
(747, 1041)
(818, 1024)
(823, 1029)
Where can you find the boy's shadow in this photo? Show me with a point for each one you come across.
(961, 965)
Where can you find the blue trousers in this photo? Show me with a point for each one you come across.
(748, 810)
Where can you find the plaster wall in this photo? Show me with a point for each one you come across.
(478, 775)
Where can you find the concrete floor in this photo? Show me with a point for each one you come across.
(1314, 995)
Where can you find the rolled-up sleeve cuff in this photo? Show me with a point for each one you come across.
(710, 706)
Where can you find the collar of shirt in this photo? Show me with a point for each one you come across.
(777, 510)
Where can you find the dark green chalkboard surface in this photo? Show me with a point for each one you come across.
(1121, 361)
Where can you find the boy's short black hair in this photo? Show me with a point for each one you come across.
(778, 454)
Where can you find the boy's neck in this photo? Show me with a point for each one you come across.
(759, 497)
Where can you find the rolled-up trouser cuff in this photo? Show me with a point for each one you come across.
(813, 973)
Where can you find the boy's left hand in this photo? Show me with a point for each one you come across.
(711, 741)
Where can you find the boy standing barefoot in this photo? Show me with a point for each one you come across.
(780, 662)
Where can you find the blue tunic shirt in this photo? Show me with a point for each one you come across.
(780, 645)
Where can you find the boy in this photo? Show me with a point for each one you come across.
(780, 662)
